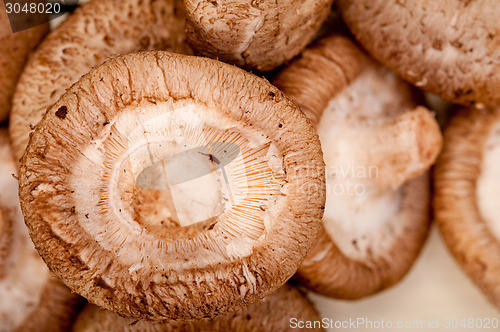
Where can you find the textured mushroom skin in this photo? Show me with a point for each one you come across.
(335, 77)
(94, 32)
(144, 79)
(255, 34)
(5, 238)
(272, 313)
(465, 231)
(432, 45)
(16, 48)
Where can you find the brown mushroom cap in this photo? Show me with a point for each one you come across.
(94, 32)
(448, 47)
(371, 236)
(78, 174)
(272, 313)
(27, 289)
(465, 181)
(255, 34)
(15, 50)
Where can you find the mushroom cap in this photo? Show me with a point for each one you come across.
(16, 48)
(77, 186)
(369, 239)
(272, 313)
(460, 204)
(26, 286)
(445, 47)
(257, 34)
(94, 32)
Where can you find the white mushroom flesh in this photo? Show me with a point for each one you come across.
(488, 188)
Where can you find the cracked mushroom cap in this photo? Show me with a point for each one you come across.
(216, 237)
(449, 48)
(466, 193)
(376, 153)
(254, 34)
(272, 313)
(93, 33)
(31, 299)
(16, 48)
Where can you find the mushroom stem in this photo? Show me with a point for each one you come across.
(399, 149)
(5, 238)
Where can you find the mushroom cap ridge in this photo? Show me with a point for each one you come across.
(456, 209)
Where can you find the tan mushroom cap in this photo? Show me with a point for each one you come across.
(16, 48)
(256, 34)
(94, 32)
(272, 313)
(465, 201)
(77, 184)
(27, 289)
(448, 47)
(376, 152)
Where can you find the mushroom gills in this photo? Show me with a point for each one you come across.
(488, 188)
(173, 170)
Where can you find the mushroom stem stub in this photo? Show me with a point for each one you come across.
(393, 151)
(400, 149)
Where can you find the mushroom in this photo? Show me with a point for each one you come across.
(31, 299)
(466, 189)
(15, 50)
(447, 47)
(254, 34)
(83, 174)
(275, 312)
(376, 153)
(94, 32)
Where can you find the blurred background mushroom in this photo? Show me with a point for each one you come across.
(272, 313)
(467, 190)
(31, 299)
(16, 48)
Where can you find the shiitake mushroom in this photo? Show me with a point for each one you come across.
(79, 187)
(377, 151)
(466, 190)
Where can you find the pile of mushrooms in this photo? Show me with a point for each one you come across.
(171, 189)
